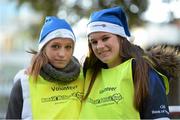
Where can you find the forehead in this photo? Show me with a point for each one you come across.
(61, 41)
(96, 35)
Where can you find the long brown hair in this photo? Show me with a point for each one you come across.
(38, 60)
(140, 72)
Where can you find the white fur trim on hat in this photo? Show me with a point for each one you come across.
(63, 33)
(106, 27)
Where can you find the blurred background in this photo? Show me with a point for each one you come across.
(151, 22)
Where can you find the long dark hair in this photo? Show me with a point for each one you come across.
(140, 72)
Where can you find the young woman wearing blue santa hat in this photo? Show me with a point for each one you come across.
(120, 82)
(54, 86)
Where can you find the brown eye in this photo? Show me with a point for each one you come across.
(55, 46)
(105, 39)
(93, 42)
(68, 47)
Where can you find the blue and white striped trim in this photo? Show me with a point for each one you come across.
(106, 27)
(63, 33)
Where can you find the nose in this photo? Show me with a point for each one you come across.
(100, 44)
(61, 52)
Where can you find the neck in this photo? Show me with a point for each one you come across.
(114, 63)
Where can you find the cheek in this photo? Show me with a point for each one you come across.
(69, 54)
(116, 44)
(50, 54)
(94, 49)
(117, 50)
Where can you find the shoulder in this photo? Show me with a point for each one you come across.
(16, 92)
(156, 105)
(17, 88)
(19, 75)
(156, 81)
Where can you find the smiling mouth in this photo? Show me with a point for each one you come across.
(103, 53)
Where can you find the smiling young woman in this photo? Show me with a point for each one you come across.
(137, 91)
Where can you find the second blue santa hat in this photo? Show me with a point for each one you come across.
(112, 20)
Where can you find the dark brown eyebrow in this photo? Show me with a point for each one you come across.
(106, 35)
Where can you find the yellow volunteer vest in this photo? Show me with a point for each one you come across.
(112, 94)
(56, 101)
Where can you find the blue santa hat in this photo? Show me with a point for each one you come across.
(112, 20)
(54, 28)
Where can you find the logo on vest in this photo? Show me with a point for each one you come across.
(107, 89)
(111, 99)
(75, 96)
(58, 88)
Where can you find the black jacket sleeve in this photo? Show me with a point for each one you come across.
(15, 102)
(156, 105)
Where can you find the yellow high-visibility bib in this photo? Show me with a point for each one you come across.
(112, 94)
(56, 101)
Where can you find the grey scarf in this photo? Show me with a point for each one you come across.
(67, 74)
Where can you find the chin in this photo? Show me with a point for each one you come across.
(105, 60)
(60, 66)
